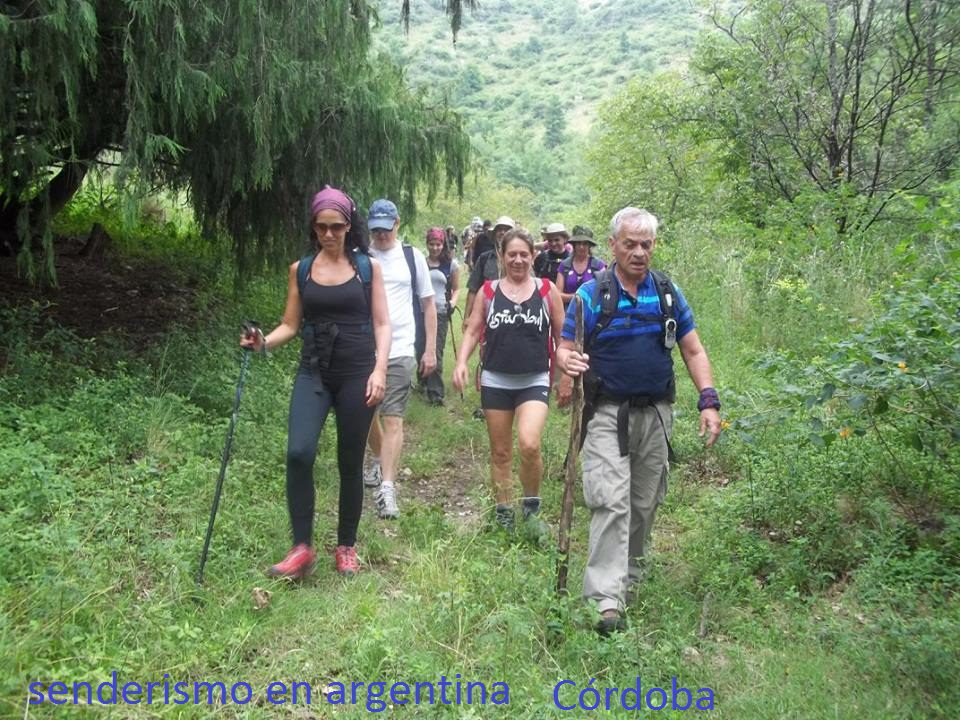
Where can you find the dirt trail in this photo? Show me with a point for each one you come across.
(455, 488)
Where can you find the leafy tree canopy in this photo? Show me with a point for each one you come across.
(846, 104)
(249, 106)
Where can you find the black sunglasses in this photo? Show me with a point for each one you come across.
(336, 228)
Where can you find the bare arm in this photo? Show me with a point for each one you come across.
(698, 365)
(290, 324)
(382, 332)
(428, 362)
(454, 288)
(471, 337)
(380, 318)
(557, 314)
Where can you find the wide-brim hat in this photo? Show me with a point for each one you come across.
(556, 229)
(582, 239)
(506, 221)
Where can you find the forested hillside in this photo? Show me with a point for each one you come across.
(529, 77)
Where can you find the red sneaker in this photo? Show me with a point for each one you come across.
(346, 560)
(296, 565)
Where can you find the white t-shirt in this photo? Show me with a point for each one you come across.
(439, 281)
(396, 280)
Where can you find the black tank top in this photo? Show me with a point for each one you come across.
(345, 307)
(517, 336)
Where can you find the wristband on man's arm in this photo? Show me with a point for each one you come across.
(708, 399)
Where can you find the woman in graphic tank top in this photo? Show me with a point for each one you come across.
(519, 323)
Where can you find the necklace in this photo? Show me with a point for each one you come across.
(516, 294)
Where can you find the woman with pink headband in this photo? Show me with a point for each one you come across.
(337, 302)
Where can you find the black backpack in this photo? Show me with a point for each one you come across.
(420, 343)
(603, 293)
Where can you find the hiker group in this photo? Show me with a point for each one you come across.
(374, 313)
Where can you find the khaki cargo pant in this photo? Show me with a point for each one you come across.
(623, 494)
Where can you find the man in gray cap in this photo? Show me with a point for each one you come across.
(406, 279)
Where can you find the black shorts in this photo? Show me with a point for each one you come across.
(500, 399)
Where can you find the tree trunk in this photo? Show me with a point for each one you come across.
(49, 201)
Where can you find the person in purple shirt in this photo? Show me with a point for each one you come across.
(581, 266)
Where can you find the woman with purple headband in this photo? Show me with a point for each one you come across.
(333, 303)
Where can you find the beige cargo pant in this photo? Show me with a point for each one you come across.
(623, 494)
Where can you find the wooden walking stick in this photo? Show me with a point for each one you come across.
(573, 452)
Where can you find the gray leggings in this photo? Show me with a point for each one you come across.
(309, 405)
(434, 381)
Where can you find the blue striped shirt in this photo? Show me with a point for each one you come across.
(628, 355)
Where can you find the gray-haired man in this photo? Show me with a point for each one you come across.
(627, 445)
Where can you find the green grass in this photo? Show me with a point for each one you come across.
(109, 461)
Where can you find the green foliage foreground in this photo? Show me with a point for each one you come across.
(806, 568)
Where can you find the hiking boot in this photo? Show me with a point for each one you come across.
(373, 476)
(610, 622)
(386, 498)
(503, 518)
(296, 565)
(345, 557)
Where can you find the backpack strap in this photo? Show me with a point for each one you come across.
(489, 289)
(303, 271)
(667, 295)
(545, 287)
(412, 266)
(604, 294)
(420, 341)
(447, 270)
(365, 271)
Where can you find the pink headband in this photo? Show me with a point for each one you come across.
(332, 199)
(436, 233)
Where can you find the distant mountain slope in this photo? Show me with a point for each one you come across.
(529, 74)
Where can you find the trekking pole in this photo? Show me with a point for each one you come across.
(573, 452)
(249, 328)
(453, 338)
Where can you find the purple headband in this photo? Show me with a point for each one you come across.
(332, 199)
